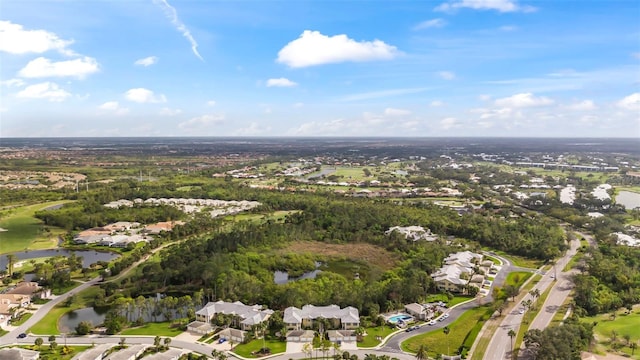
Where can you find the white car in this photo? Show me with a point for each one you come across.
(445, 316)
(521, 311)
(432, 322)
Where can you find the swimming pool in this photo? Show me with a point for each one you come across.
(401, 317)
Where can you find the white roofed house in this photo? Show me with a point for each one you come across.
(459, 268)
(297, 319)
(244, 317)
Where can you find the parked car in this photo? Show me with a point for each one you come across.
(432, 322)
(521, 311)
(445, 315)
(221, 340)
(22, 336)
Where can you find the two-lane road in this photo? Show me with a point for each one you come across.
(500, 346)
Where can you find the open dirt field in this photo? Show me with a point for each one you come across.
(364, 252)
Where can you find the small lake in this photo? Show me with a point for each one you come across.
(69, 321)
(282, 277)
(88, 256)
(629, 199)
(321, 174)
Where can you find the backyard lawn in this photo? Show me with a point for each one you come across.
(156, 329)
(24, 231)
(246, 350)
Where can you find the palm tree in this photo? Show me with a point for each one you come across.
(123, 341)
(11, 260)
(421, 354)
(307, 348)
(446, 331)
(633, 347)
(167, 341)
(39, 342)
(156, 342)
(511, 334)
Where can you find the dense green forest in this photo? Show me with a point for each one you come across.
(235, 260)
(611, 278)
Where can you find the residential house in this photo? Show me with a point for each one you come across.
(418, 311)
(457, 272)
(301, 336)
(413, 233)
(15, 299)
(199, 327)
(298, 319)
(130, 353)
(94, 353)
(171, 354)
(18, 354)
(31, 289)
(245, 316)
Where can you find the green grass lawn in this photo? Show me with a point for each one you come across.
(442, 297)
(519, 260)
(370, 339)
(245, 350)
(159, 329)
(624, 324)
(48, 325)
(72, 285)
(517, 278)
(24, 231)
(59, 353)
(22, 319)
(439, 343)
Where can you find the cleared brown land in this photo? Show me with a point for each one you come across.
(368, 253)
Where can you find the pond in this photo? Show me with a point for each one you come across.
(88, 256)
(69, 321)
(282, 277)
(628, 199)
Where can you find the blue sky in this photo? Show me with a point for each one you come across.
(320, 68)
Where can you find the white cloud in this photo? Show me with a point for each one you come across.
(382, 94)
(114, 106)
(321, 128)
(142, 95)
(449, 123)
(203, 121)
(171, 13)
(165, 111)
(12, 83)
(584, 105)
(14, 39)
(253, 129)
(211, 103)
(148, 61)
(436, 103)
(433, 23)
(42, 67)
(631, 102)
(46, 90)
(499, 5)
(396, 112)
(298, 105)
(280, 82)
(523, 100)
(446, 75)
(508, 28)
(313, 48)
(636, 55)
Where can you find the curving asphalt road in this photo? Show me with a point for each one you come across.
(394, 343)
(500, 346)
